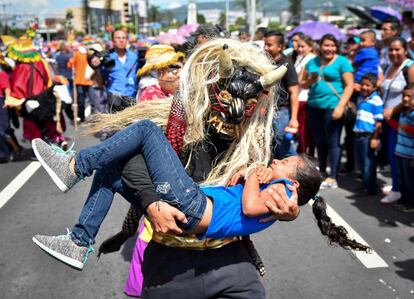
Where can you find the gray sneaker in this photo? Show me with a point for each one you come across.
(56, 163)
(64, 249)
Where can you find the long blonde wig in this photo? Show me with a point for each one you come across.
(201, 69)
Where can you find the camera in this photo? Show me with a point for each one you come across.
(103, 56)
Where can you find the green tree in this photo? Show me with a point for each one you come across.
(153, 13)
(295, 7)
(201, 19)
(222, 19)
(240, 21)
(276, 27)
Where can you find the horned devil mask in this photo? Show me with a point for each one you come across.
(234, 96)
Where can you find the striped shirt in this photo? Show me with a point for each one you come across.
(370, 110)
(405, 138)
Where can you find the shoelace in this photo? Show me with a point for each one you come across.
(65, 237)
(90, 251)
(57, 149)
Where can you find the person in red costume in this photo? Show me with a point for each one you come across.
(29, 78)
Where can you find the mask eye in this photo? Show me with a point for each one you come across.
(225, 96)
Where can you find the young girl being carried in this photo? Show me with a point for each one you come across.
(211, 211)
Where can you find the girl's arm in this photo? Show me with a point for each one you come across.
(253, 200)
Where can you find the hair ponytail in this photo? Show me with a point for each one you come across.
(336, 234)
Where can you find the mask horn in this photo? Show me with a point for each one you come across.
(225, 64)
(272, 77)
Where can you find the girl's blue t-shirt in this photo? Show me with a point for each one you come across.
(228, 219)
(320, 94)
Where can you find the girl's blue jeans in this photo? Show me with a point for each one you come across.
(366, 161)
(169, 177)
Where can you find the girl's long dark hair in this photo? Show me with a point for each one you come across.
(310, 180)
(336, 234)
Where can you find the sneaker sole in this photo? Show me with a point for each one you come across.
(59, 256)
(49, 170)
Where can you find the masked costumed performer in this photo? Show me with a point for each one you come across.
(31, 77)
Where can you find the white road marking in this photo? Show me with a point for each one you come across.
(369, 260)
(11, 189)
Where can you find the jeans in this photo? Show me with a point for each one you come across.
(405, 179)
(106, 183)
(171, 182)
(391, 141)
(283, 147)
(327, 135)
(4, 127)
(366, 161)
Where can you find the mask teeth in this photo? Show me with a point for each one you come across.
(219, 127)
(213, 119)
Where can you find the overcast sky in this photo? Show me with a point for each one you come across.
(57, 7)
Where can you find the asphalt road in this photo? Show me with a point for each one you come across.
(298, 260)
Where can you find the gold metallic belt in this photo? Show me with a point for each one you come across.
(191, 242)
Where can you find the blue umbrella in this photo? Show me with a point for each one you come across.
(317, 29)
(382, 13)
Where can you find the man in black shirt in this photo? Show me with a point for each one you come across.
(286, 100)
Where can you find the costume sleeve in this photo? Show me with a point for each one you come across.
(19, 81)
(135, 176)
(4, 81)
(177, 124)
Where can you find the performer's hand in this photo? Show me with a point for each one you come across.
(282, 207)
(163, 217)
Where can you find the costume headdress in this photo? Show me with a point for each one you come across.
(159, 57)
(23, 50)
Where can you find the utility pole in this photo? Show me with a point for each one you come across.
(253, 18)
(4, 15)
(248, 15)
(227, 15)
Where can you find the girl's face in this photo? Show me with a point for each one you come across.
(328, 49)
(397, 53)
(285, 168)
(303, 48)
